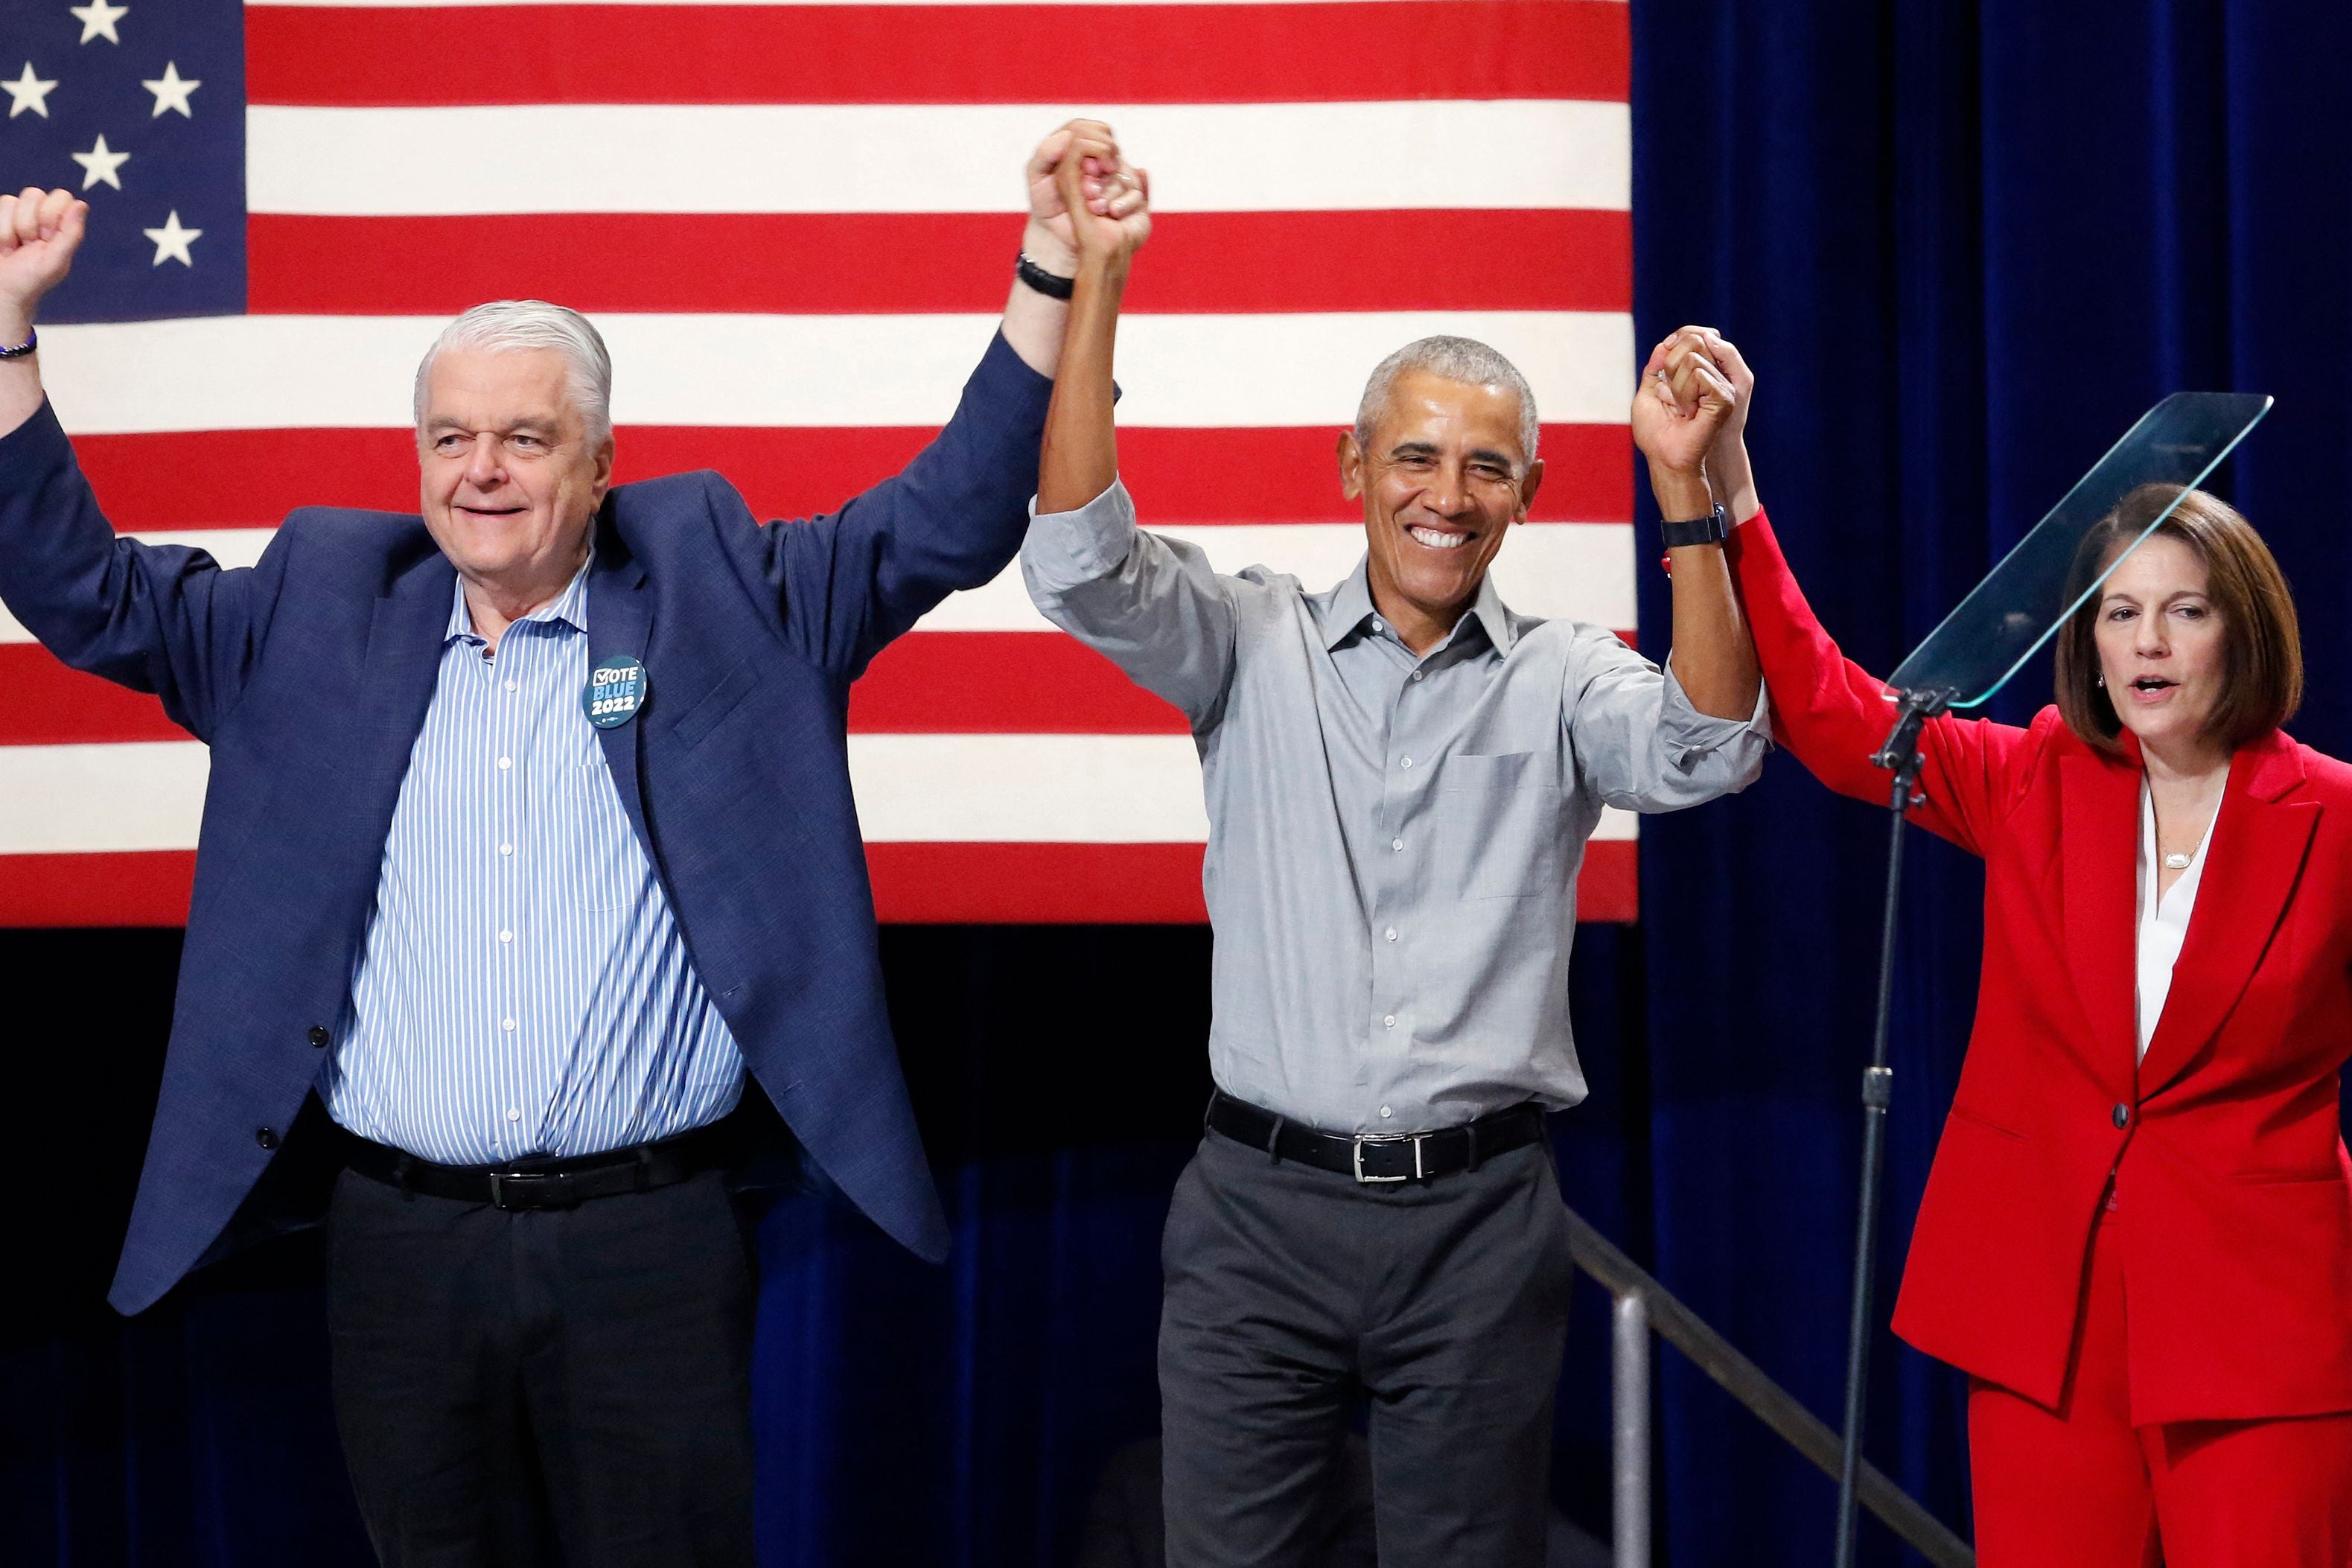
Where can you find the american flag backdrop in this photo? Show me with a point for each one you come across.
(795, 225)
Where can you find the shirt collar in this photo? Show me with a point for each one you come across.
(570, 606)
(1351, 606)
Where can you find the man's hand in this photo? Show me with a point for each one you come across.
(1051, 239)
(39, 232)
(1679, 410)
(1107, 204)
(1729, 473)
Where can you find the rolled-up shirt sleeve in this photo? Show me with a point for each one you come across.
(1151, 606)
(1640, 745)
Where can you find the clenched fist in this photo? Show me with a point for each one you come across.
(1109, 204)
(39, 232)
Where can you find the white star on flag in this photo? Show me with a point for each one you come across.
(172, 241)
(31, 92)
(100, 163)
(98, 19)
(170, 90)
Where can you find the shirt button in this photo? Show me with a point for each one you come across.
(507, 1024)
(2122, 1115)
(1396, 843)
(1389, 1021)
(1391, 934)
(506, 849)
(504, 762)
(513, 1115)
(1408, 762)
(1417, 674)
(1386, 1113)
(512, 685)
(1377, 626)
(506, 936)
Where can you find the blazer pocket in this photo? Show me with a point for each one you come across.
(1962, 1113)
(1499, 816)
(717, 703)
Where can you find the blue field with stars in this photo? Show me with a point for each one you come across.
(139, 108)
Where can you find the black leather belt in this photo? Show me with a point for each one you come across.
(1378, 1156)
(546, 1182)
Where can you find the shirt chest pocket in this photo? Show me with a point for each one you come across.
(1498, 826)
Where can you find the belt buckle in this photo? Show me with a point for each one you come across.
(1364, 1138)
(500, 1178)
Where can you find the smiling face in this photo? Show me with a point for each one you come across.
(512, 480)
(2162, 645)
(1444, 476)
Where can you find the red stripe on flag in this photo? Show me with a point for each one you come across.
(1033, 683)
(836, 263)
(934, 54)
(242, 478)
(914, 884)
(50, 705)
(1128, 884)
(133, 888)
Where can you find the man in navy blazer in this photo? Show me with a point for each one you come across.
(529, 832)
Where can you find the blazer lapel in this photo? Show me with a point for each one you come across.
(2252, 866)
(398, 677)
(2099, 862)
(620, 620)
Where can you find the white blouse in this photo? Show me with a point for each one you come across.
(2163, 922)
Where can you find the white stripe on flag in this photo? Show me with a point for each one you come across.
(928, 158)
(1581, 571)
(1000, 789)
(275, 373)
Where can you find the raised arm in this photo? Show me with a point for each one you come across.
(1152, 607)
(1827, 710)
(165, 619)
(954, 516)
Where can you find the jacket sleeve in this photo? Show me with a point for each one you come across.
(950, 519)
(1834, 715)
(165, 619)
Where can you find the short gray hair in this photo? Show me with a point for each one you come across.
(523, 326)
(1455, 359)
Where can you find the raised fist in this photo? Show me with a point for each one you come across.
(39, 232)
(1107, 181)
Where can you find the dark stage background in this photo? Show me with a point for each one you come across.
(1965, 245)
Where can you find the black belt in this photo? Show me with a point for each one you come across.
(1378, 1156)
(545, 1182)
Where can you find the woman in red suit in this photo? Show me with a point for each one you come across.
(2137, 1236)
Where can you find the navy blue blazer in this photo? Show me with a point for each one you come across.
(309, 675)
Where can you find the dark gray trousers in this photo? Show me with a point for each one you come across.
(565, 1385)
(1291, 1291)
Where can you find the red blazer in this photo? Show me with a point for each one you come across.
(2225, 1144)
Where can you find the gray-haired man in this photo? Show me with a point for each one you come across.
(1402, 775)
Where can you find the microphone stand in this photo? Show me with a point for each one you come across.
(1900, 756)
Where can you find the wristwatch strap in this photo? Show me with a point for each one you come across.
(1045, 282)
(1712, 529)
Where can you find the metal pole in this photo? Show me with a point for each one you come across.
(1901, 754)
(1630, 1375)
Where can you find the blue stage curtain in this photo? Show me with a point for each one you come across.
(1965, 245)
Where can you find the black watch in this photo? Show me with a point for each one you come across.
(1712, 529)
(1053, 285)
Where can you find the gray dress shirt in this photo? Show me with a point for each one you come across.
(1394, 840)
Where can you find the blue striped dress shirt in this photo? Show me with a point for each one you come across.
(522, 987)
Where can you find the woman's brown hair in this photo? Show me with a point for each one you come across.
(2261, 671)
